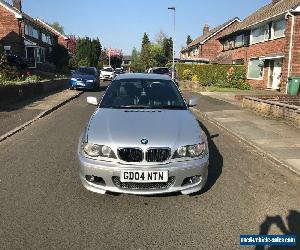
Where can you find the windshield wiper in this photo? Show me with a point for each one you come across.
(131, 107)
(168, 107)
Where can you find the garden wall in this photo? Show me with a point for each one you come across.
(20, 92)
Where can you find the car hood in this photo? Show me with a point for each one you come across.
(126, 128)
(84, 77)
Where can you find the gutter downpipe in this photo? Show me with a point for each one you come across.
(291, 45)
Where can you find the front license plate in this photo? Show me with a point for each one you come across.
(80, 84)
(144, 176)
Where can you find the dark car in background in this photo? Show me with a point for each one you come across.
(159, 70)
(85, 78)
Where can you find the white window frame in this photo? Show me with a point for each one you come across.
(273, 31)
(251, 78)
(242, 42)
(265, 33)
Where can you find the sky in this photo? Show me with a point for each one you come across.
(122, 23)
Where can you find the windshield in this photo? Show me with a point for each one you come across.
(108, 69)
(85, 71)
(143, 93)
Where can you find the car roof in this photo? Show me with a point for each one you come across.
(143, 76)
(160, 68)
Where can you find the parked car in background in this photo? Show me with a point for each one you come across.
(85, 78)
(159, 70)
(107, 73)
(143, 139)
(171, 69)
(118, 71)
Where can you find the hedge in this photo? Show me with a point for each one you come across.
(231, 76)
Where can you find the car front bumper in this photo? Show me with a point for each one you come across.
(109, 171)
(86, 85)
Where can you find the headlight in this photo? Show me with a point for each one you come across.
(191, 151)
(73, 79)
(90, 81)
(95, 150)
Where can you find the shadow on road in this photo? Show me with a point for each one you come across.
(292, 227)
(215, 161)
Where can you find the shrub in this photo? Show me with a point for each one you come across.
(187, 75)
(225, 76)
(47, 67)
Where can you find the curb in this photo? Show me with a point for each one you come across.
(39, 116)
(260, 151)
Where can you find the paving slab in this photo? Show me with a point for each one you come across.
(15, 116)
(275, 139)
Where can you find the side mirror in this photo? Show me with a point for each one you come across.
(92, 100)
(193, 101)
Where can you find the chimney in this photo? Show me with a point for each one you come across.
(205, 29)
(275, 1)
(17, 4)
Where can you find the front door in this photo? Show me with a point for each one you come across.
(276, 74)
(31, 57)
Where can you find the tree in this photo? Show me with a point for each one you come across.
(167, 49)
(88, 51)
(145, 51)
(188, 40)
(60, 57)
(58, 27)
(136, 63)
(160, 37)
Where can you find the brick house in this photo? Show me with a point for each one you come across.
(207, 46)
(61, 38)
(24, 36)
(268, 43)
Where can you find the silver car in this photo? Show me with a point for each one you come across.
(142, 139)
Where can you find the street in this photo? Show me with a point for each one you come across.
(44, 205)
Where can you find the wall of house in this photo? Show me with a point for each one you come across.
(9, 31)
(211, 48)
(63, 42)
(276, 46)
(295, 59)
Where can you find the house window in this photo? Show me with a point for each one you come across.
(226, 45)
(238, 61)
(231, 44)
(255, 69)
(46, 38)
(260, 34)
(279, 28)
(239, 41)
(32, 31)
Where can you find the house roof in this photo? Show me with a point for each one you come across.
(49, 27)
(203, 38)
(127, 58)
(20, 15)
(12, 9)
(267, 12)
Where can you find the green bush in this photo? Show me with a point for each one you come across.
(187, 75)
(225, 76)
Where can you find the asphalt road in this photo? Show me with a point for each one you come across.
(44, 206)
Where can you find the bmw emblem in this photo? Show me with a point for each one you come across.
(144, 141)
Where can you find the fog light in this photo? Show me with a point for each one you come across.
(192, 180)
(90, 178)
(95, 180)
(196, 179)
